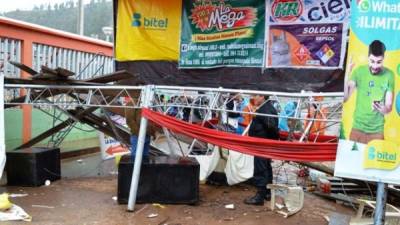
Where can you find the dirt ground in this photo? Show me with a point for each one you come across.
(91, 200)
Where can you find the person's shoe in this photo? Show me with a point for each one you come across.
(257, 199)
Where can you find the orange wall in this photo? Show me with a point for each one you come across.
(29, 34)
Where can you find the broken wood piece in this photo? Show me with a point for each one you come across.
(392, 213)
(45, 76)
(48, 70)
(64, 72)
(24, 67)
(112, 77)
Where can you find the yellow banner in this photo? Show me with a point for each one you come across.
(148, 30)
(381, 155)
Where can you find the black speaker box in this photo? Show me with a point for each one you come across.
(163, 179)
(33, 166)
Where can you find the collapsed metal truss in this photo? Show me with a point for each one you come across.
(192, 104)
(79, 102)
(206, 101)
(71, 96)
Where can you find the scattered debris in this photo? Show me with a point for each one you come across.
(159, 205)
(15, 213)
(43, 206)
(152, 215)
(17, 195)
(338, 219)
(315, 174)
(338, 197)
(279, 206)
(5, 204)
(163, 222)
(115, 198)
(392, 213)
(113, 173)
(144, 207)
(47, 183)
(79, 161)
(230, 206)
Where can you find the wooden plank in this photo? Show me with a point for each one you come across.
(45, 76)
(112, 77)
(48, 70)
(64, 72)
(24, 67)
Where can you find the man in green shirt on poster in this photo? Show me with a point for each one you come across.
(375, 86)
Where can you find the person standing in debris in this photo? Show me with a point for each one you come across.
(263, 127)
(375, 87)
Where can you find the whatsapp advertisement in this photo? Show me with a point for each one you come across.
(369, 146)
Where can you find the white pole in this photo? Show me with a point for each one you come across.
(147, 98)
(2, 138)
(81, 15)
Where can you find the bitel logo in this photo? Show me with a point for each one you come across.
(149, 22)
(286, 10)
(363, 5)
(371, 153)
(136, 20)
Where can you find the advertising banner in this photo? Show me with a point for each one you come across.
(306, 45)
(308, 11)
(148, 30)
(109, 147)
(306, 34)
(222, 33)
(369, 146)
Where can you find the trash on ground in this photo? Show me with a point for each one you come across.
(17, 195)
(47, 183)
(5, 204)
(159, 205)
(152, 215)
(230, 206)
(15, 213)
(228, 218)
(43, 206)
(9, 211)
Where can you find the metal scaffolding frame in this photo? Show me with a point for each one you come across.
(207, 102)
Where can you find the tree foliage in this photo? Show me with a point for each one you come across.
(64, 16)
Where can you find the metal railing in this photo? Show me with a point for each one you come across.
(84, 65)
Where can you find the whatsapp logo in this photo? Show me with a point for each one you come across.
(363, 6)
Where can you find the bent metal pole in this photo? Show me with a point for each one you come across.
(146, 100)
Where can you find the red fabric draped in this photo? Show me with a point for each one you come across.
(267, 148)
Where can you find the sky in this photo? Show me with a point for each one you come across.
(10, 5)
